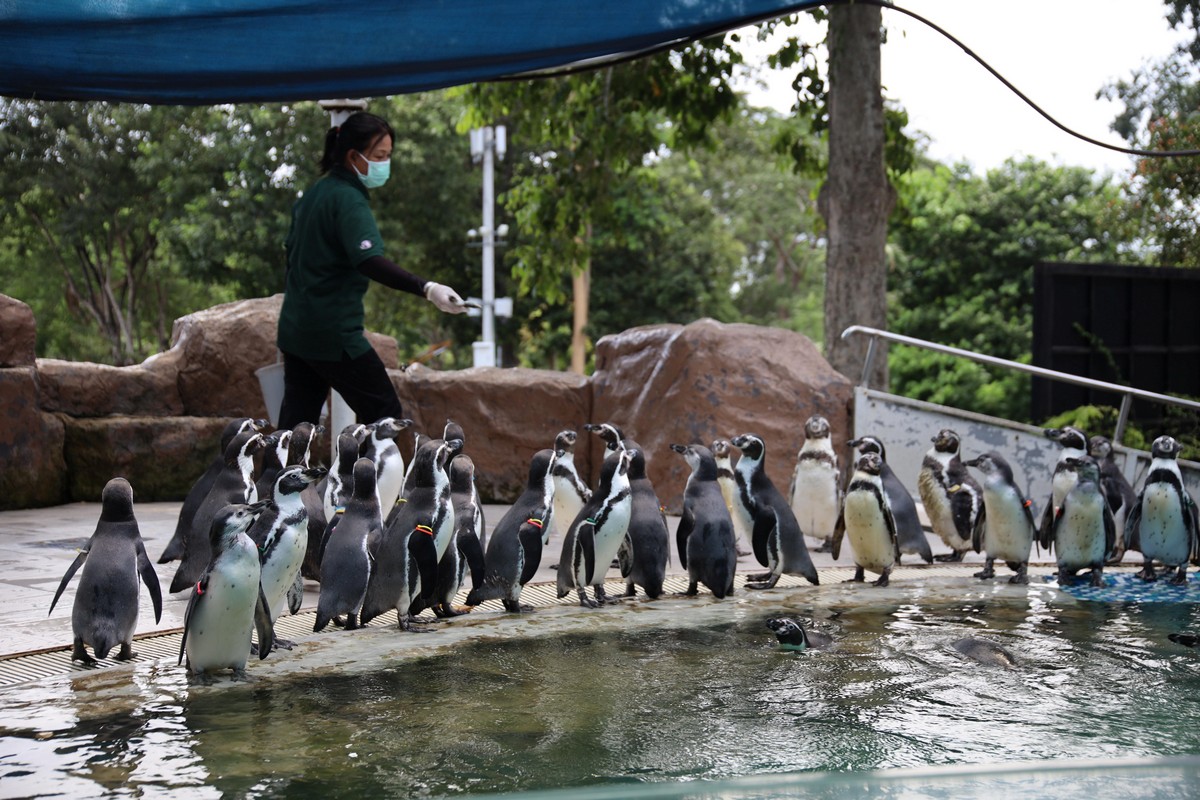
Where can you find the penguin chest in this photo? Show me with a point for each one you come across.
(280, 563)
(815, 497)
(1008, 535)
(568, 502)
(608, 535)
(1079, 537)
(1163, 533)
(937, 507)
(867, 529)
(389, 479)
(743, 519)
(221, 622)
(1061, 485)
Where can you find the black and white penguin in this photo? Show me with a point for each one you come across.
(346, 562)
(867, 519)
(200, 489)
(304, 436)
(465, 552)
(704, 538)
(816, 493)
(775, 534)
(227, 602)
(612, 436)
(596, 533)
(722, 452)
(274, 456)
(792, 635)
(1162, 524)
(380, 446)
(234, 485)
(451, 432)
(909, 531)
(281, 535)
(106, 603)
(1083, 532)
(514, 550)
(570, 490)
(1074, 444)
(342, 468)
(1004, 529)
(984, 652)
(1117, 490)
(952, 498)
(643, 554)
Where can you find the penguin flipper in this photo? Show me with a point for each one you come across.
(1192, 523)
(584, 555)
(1046, 530)
(263, 625)
(978, 531)
(424, 553)
(295, 595)
(625, 556)
(764, 525)
(472, 551)
(687, 523)
(839, 531)
(529, 536)
(150, 578)
(1133, 539)
(198, 592)
(1110, 532)
(66, 578)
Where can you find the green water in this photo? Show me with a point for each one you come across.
(623, 704)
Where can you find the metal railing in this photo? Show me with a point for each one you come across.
(1127, 393)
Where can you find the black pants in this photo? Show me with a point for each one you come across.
(362, 382)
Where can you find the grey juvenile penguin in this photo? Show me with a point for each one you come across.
(346, 563)
(1117, 490)
(1004, 529)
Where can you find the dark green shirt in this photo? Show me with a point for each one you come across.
(333, 231)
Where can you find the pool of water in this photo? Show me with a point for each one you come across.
(654, 693)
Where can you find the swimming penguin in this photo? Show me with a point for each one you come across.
(867, 519)
(274, 457)
(952, 498)
(1162, 524)
(570, 490)
(451, 432)
(106, 602)
(984, 652)
(704, 538)
(234, 485)
(1083, 532)
(643, 554)
(195, 496)
(723, 455)
(776, 536)
(514, 550)
(346, 562)
(1074, 444)
(380, 446)
(227, 602)
(815, 494)
(597, 533)
(1117, 490)
(793, 636)
(1005, 528)
(910, 534)
(281, 535)
(1185, 639)
(465, 553)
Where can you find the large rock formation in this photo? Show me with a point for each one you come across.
(82, 389)
(695, 383)
(18, 333)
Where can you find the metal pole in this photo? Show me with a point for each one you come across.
(489, 242)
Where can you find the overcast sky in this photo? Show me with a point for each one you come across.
(1058, 52)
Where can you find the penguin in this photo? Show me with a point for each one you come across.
(274, 458)
(380, 446)
(1074, 444)
(612, 435)
(346, 563)
(597, 533)
(304, 436)
(792, 635)
(342, 468)
(643, 553)
(776, 536)
(704, 538)
(909, 531)
(1005, 528)
(815, 493)
(570, 490)
(1083, 532)
(514, 549)
(234, 485)
(1119, 493)
(723, 455)
(867, 519)
(984, 652)
(300, 447)
(281, 535)
(106, 603)
(227, 602)
(465, 553)
(200, 489)
(1185, 639)
(952, 498)
(1162, 523)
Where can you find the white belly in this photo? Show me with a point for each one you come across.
(608, 541)
(220, 627)
(815, 498)
(868, 533)
(1008, 535)
(279, 574)
(1162, 532)
(1079, 538)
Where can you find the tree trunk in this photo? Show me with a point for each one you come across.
(580, 286)
(856, 199)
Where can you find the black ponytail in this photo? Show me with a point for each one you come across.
(359, 132)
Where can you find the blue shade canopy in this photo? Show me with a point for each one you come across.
(192, 52)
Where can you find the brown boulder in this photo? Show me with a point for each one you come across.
(32, 470)
(506, 414)
(83, 389)
(707, 380)
(18, 333)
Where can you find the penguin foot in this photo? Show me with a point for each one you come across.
(1020, 579)
(286, 644)
(339, 622)
(762, 585)
(586, 601)
(1179, 578)
(985, 573)
(1147, 574)
(242, 676)
(825, 546)
(949, 558)
(200, 679)
(882, 580)
(759, 577)
(410, 626)
(80, 654)
(126, 652)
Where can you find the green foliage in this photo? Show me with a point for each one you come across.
(1099, 421)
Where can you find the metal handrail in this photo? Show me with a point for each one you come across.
(1128, 393)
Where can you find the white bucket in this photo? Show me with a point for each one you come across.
(270, 380)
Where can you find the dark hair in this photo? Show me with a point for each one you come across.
(358, 132)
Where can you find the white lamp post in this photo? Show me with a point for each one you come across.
(488, 144)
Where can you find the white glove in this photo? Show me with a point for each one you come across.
(445, 298)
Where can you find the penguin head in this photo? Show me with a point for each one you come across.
(697, 456)
(231, 522)
(295, 479)
(1068, 437)
(462, 473)
(364, 478)
(816, 427)
(750, 445)
(116, 501)
(1165, 447)
(246, 443)
(453, 431)
(1099, 447)
(542, 462)
(1085, 467)
(637, 460)
(870, 463)
(389, 427)
(990, 464)
(720, 448)
(868, 444)
(789, 632)
(946, 441)
(357, 430)
(610, 433)
(347, 450)
(565, 442)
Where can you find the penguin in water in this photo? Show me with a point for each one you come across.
(227, 602)
(451, 432)
(792, 635)
(909, 532)
(815, 494)
(597, 533)
(346, 562)
(867, 519)
(1083, 532)
(1074, 444)
(234, 485)
(203, 485)
(704, 538)
(1005, 528)
(281, 535)
(465, 553)
(984, 652)
(778, 541)
(514, 550)
(1162, 523)
(380, 446)
(952, 498)
(723, 455)
(106, 603)
(570, 490)
(1117, 490)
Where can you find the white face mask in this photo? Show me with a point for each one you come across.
(377, 173)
